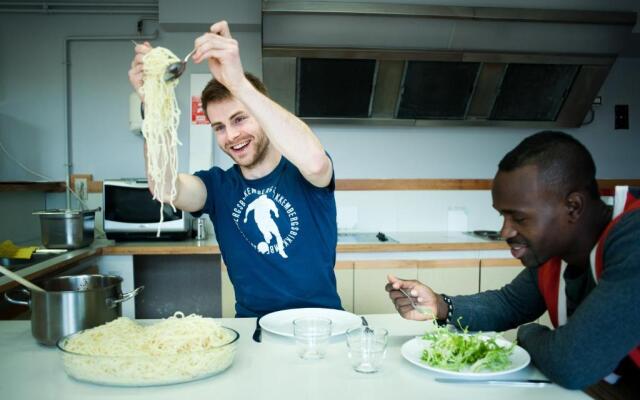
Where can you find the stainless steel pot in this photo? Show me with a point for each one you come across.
(70, 304)
(67, 229)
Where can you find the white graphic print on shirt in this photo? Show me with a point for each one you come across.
(265, 204)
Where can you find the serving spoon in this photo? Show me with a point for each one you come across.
(20, 279)
(176, 69)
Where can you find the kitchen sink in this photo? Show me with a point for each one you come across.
(15, 264)
(364, 237)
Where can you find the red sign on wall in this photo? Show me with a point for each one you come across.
(198, 116)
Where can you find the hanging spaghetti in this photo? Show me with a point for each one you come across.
(160, 126)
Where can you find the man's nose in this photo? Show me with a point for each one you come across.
(232, 133)
(507, 230)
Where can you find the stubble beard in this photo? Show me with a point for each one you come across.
(261, 145)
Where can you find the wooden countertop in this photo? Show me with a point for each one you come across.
(23, 186)
(406, 242)
(341, 184)
(184, 247)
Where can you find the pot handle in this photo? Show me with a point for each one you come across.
(111, 303)
(19, 302)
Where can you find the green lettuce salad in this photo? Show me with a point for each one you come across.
(462, 351)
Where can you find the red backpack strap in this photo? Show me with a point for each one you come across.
(549, 284)
(631, 204)
(635, 356)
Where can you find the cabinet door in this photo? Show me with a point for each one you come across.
(494, 274)
(452, 277)
(344, 281)
(497, 272)
(369, 280)
(228, 294)
(121, 265)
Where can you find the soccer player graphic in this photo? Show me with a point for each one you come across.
(262, 207)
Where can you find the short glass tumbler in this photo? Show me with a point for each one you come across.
(367, 348)
(312, 336)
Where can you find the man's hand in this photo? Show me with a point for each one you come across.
(422, 295)
(222, 53)
(136, 70)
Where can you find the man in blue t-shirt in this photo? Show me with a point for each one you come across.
(274, 211)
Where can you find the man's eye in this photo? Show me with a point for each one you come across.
(218, 128)
(519, 220)
(240, 118)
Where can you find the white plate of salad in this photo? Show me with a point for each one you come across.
(465, 355)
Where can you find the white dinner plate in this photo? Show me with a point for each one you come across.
(281, 322)
(412, 352)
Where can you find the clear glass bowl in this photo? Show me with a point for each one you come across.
(148, 370)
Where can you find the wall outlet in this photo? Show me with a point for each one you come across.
(80, 187)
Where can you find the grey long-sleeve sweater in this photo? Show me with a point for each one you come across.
(601, 331)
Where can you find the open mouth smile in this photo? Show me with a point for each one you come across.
(239, 147)
(518, 249)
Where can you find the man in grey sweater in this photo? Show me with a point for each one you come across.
(559, 228)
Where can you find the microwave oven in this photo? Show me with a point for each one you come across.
(131, 213)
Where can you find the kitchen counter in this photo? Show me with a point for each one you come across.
(405, 242)
(425, 241)
(266, 370)
(190, 246)
(51, 265)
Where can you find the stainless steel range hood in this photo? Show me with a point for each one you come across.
(424, 64)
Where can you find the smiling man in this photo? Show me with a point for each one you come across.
(581, 266)
(284, 256)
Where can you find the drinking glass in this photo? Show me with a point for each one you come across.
(312, 335)
(367, 348)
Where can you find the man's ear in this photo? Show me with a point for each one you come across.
(574, 203)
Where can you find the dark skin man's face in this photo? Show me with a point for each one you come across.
(536, 224)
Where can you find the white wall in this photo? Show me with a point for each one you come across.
(16, 221)
(32, 88)
(32, 113)
(32, 124)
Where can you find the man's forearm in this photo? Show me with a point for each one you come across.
(498, 310)
(289, 134)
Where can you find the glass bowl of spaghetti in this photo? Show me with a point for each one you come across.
(125, 353)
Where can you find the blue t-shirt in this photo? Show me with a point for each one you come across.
(277, 235)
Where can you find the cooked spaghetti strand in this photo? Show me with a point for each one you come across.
(160, 126)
